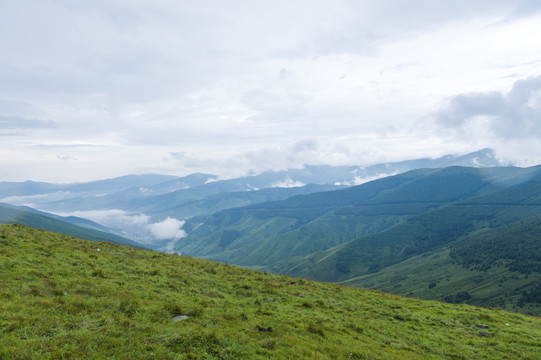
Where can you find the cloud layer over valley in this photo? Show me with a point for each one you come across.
(136, 226)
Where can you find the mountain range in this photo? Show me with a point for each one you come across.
(359, 234)
(155, 193)
(457, 228)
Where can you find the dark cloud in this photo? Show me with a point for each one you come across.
(65, 157)
(515, 114)
(305, 145)
(14, 122)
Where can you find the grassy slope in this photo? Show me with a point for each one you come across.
(61, 298)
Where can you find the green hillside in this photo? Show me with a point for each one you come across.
(67, 298)
(498, 246)
(226, 200)
(413, 236)
(264, 235)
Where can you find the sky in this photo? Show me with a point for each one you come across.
(93, 89)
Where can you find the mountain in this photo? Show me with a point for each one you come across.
(61, 298)
(343, 235)
(231, 199)
(26, 188)
(160, 197)
(431, 229)
(154, 192)
(73, 226)
(268, 232)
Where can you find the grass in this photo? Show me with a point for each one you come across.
(61, 298)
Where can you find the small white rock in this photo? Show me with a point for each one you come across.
(98, 249)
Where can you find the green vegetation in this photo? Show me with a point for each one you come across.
(477, 252)
(303, 225)
(435, 275)
(516, 246)
(62, 298)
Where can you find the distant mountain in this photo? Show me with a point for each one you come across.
(268, 232)
(73, 226)
(231, 199)
(120, 183)
(26, 188)
(144, 186)
(478, 159)
(346, 235)
(159, 197)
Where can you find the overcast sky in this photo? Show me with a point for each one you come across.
(92, 89)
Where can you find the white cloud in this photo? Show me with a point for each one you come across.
(32, 200)
(358, 180)
(168, 229)
(515, 114)
(114, 218)
(136, 226)
(287, 183)
(236, 84)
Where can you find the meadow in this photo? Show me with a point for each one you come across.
(65, 298)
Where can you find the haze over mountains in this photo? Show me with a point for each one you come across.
(409, 228)
(74, 226)
(151, 208)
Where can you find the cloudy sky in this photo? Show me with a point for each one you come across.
(96, 88)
